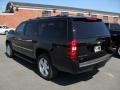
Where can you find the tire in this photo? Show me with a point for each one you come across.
(118, 51)
(6, 32)
(45, 67)
(9, 50)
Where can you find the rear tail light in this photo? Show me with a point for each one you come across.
(72, 50)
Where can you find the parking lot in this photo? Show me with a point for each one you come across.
(17, 74)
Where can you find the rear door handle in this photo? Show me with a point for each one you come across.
(56, 45)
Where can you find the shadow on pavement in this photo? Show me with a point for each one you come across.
(65, 79)
(62, 79)
(116, 56)
(26, 64)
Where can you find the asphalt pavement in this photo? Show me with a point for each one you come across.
(17, 74)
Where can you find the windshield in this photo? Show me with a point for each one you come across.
(86, 29)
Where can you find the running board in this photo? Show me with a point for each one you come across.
(20, 56)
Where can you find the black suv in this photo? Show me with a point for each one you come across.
(115, 35)
(69, 44)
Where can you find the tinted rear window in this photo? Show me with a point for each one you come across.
(53, 30)
(115, 27)
(31, 29)
(91, 28)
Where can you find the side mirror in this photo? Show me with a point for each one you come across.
(11, 32)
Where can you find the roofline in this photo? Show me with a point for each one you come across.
(41, 6)
(61, 17)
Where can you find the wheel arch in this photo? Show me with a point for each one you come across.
(40, 51)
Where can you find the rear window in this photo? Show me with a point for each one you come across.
(89, 28)
(53, 30)
(115, 27)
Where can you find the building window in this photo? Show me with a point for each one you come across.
(46, 13)
(64, 13)
(94, 16)
(115, 19)
(105, 18)
(80, 14)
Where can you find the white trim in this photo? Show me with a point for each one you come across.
(105, 15)
(109, 15)
(50, 9)
(36, 9)
(82, 12)
(6, 13)
(64, 11)
(46, 10)
(29, 9)
(115, 16)
(96, 14)
(74, 11)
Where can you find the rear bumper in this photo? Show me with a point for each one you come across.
(76, 67)
(94, 61)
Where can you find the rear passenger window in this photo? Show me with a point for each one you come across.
(53, 30)
(31, 29)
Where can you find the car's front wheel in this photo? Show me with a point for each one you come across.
(6, 32)
(9, 50)
(46, 70)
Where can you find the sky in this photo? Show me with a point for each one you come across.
(103, 5)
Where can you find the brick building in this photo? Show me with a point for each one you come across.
(16, 12)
